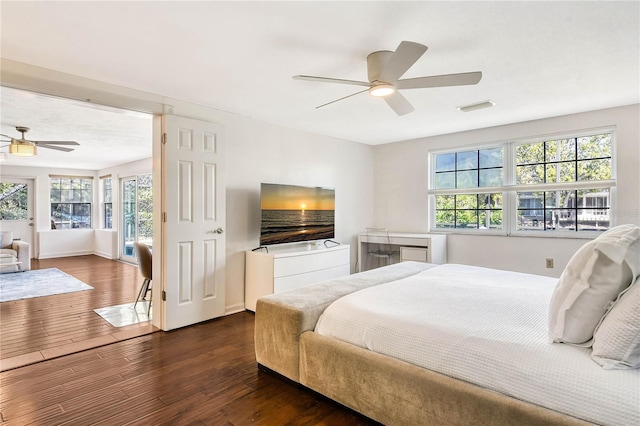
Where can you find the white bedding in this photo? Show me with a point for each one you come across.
(486, 327)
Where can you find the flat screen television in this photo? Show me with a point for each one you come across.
(292, 213)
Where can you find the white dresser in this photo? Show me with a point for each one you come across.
(283, 269)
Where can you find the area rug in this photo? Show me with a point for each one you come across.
(122, 315)
(38, 283)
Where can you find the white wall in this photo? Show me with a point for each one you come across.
(65, 242)
(400, 200)
(105, 243)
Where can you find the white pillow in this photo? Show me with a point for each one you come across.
(594, 277)
(6, 239)
(622, 244)
(616, 342)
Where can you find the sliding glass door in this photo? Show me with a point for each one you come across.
(137, 217)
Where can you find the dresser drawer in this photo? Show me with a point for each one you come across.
(313, 261)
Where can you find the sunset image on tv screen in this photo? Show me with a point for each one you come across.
(293, 213)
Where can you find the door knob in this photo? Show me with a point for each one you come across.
(216, 231)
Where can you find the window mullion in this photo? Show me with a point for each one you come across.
(563, 186)
(483, 190)
(575, 147)
(508, 196)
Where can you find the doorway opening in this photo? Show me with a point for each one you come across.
(73, 229)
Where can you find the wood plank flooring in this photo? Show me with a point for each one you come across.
(56, 324)
(205, 374)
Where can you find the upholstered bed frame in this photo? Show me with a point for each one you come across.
(380, 387)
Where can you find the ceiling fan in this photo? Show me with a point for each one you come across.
(24, 147)
(384, 69)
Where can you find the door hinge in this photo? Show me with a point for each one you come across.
(164, 216)
(164, 295)
(164, 138)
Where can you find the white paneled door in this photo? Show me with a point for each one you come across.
(194, 223)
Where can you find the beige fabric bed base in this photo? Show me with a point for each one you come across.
(394, 392)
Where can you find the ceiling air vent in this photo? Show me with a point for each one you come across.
(474, 107)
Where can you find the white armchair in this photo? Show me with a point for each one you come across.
(15, 256)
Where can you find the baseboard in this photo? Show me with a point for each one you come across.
(67, 254)
(106, 255)
(234, 309)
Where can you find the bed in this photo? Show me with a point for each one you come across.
(474, 350)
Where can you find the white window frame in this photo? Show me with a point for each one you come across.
(509, 189)
(477, 190)
(104, 202)
(90, 203)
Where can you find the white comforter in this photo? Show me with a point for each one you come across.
(486, 327)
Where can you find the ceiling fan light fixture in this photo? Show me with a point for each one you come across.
(477, 106)
(381, 90)
(22, 149)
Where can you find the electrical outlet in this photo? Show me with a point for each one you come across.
(549, 262)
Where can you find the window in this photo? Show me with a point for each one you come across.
(13, 201)
(107, 195)
(560, 184)
(145, 208)
(469, 171)
(137, 212)
(71, 202)
(568, 167)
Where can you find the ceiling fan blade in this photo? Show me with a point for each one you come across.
(402, 59)
(461, 79)
(330, 80)
(348, 96)
(42, 143)
(399, 103)
(57, 148)
(6, 136)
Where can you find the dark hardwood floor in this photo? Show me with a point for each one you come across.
(205, 374)
(51, 325)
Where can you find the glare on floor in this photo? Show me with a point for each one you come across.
(122, 315)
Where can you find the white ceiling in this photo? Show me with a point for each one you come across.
(539, 59)
(107, 136)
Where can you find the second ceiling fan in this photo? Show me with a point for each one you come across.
(384, 69)
(25, 147)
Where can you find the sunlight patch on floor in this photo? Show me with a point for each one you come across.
(127, 314)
